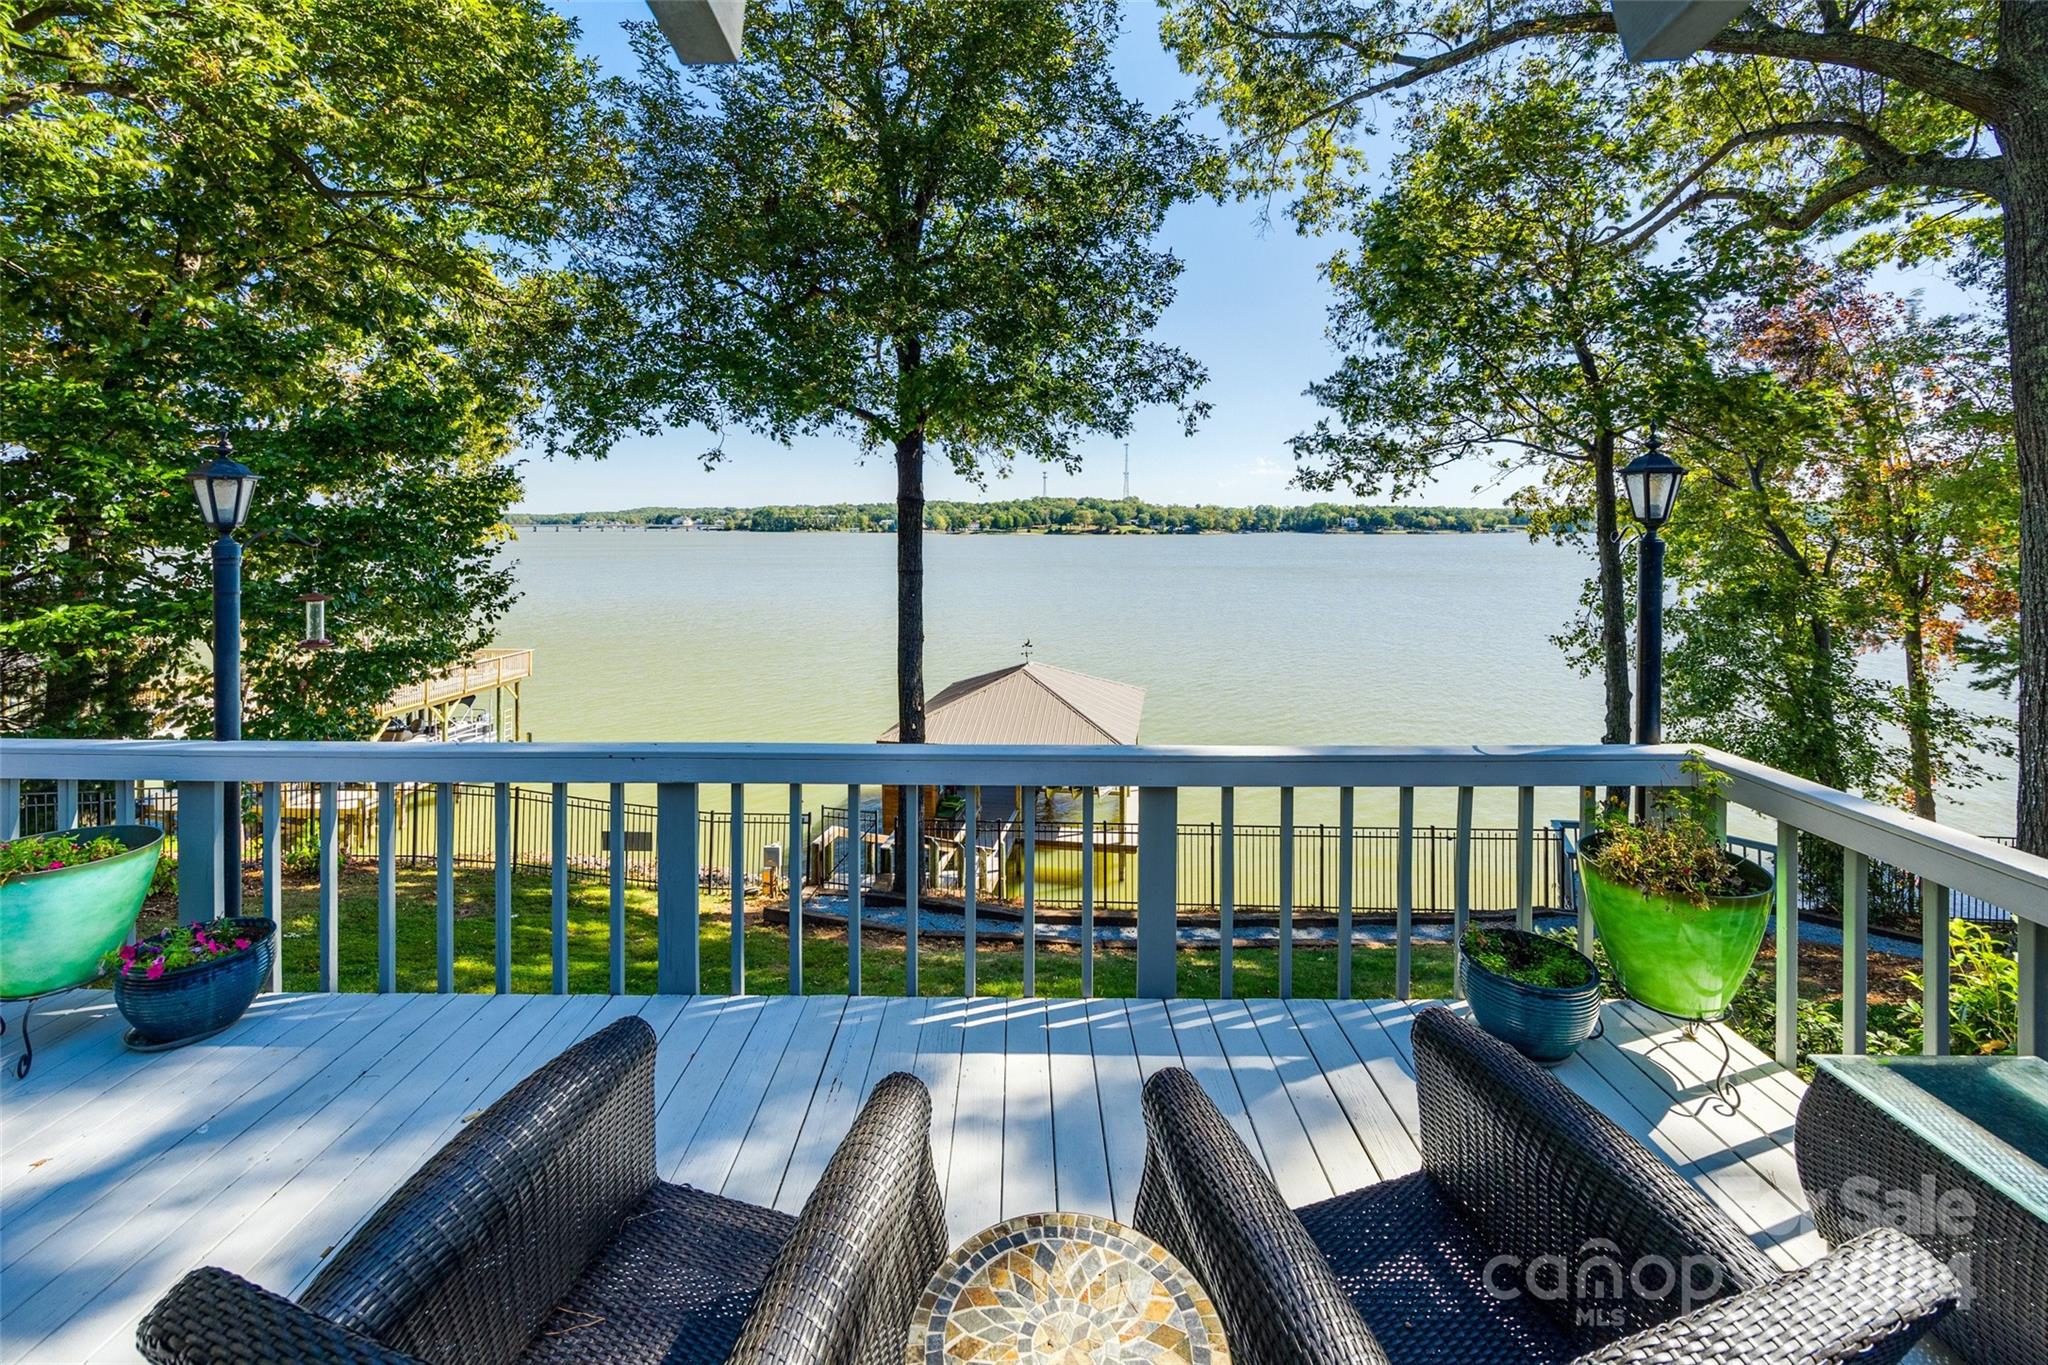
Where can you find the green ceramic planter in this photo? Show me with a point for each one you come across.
(56, 926)
(1685, 960)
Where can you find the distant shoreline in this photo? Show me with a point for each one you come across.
(1047, 516)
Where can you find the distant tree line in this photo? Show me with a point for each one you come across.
(1059, 515)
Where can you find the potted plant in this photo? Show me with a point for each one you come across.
(1681, 917)
(190, 982)
(1537, 994)
(65, 899)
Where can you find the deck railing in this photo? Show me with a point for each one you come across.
(1946, 861)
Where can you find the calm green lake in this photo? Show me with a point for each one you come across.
(1250, 639)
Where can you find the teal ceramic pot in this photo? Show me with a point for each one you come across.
(56, 926)
(1546, 1024)
(1683, 960)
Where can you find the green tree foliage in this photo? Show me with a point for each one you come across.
(1924, 125)
(1852, 479)
(307, 220)
(924, 223)
(1486, 313)
(1052, 515)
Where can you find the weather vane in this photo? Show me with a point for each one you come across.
(1027, 651)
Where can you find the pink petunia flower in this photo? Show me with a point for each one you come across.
(241, 943)
(156, 969)
(53, 864)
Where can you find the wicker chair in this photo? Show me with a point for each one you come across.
(541, 1234)
(1536, 1231)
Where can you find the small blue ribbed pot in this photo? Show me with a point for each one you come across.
(1546, 1024)
(202, 999)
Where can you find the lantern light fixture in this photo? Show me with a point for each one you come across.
(223, 487)
(1651, 481)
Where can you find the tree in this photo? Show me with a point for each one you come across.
(1919, 443)
(1927, 121)
(290, 219)
(925, 223)
(1484, 308)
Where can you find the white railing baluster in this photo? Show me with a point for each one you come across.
(1589, 813)
(1404, 898)
(2033, 955)
(676, 872)
(124, 807)
(10, 808)
(501, 799)
(1347, 858)
(793, 869)
(387, 888)
(330, 887)
(1030, 892)
(558, 887)
(1787, 950)
(1525, 859)
(1934, 969)
(1461, 875)
(969, 874)
(444, 886)
(1087, 892)
(913, 853)
(1286, 892)
(1226, 895)
(1855, 952)
(738, 834)
(855, 844)
(273, 875)
(615, 865)
(67, 805)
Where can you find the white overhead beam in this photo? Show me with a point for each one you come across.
(1671, 30)
(703, 32)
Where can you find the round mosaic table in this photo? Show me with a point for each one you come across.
(1064, 1289)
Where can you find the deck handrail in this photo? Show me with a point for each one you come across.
(1947, 860)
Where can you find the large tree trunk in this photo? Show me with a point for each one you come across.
(2025, 136)
(909, 613)
(1920, 747)
(1614, 653)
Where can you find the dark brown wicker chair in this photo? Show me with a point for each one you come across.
(1536, 1231)
(541, 1235)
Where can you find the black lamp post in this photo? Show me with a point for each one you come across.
(1651, 480)
(224, 488)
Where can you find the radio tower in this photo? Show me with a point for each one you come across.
(1127, 471)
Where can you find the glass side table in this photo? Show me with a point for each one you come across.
(1064, 1289)
(1952, 1151)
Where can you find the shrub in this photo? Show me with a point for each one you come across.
(1983, 992)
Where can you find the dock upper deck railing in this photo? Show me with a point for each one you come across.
(1945, 860)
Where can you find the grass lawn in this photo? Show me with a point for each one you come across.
(999, 968)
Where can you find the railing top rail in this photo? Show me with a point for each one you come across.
(1975, 866)
(1559, 765)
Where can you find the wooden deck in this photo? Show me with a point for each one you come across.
(261, 1149)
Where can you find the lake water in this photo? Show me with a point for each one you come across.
(1252, 639)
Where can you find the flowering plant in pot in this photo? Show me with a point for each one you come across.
(191, 982)
(1538, 994)
(1681, 917)
(65, 899)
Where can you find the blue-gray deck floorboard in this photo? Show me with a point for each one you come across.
(260, 1150)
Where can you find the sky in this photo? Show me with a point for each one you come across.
(1250, 307)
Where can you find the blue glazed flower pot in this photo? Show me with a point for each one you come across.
(204, 998)
(1546, 1024)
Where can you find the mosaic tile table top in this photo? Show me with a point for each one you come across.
(1064, 1289)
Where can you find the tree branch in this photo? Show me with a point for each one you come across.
(1960, 84)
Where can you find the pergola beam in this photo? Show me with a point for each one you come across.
(703, 32)
(1671, 30)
